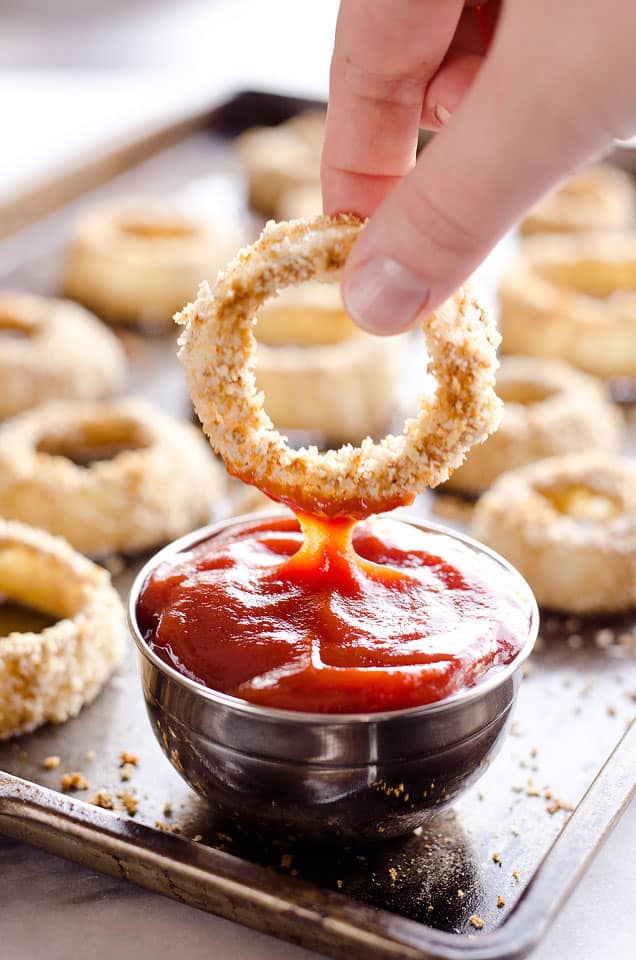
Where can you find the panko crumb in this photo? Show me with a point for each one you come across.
(126, 757)
(51, 763)
(500, 902)
(129, 802)
(102, 799)
(476, 921)
(74, 781)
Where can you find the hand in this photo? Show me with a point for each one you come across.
(555, 87)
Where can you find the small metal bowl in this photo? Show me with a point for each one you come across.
(327, 776)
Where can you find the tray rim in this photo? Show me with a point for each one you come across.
(326, 920)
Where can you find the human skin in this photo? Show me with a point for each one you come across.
(553, 90)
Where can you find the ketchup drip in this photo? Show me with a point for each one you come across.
(332, 616)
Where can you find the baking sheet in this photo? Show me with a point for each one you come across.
(578, 698)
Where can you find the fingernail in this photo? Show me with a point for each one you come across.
(383, 296)
(442, 115)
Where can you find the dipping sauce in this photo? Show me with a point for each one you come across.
(337, 618)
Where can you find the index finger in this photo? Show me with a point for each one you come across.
(385, 53)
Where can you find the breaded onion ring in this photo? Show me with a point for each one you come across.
(597, 198)
(549, 409)
(137, 261)
(218, 351)
(49, 676)
(159, 482)
(282, 158)
(569, 526)
(574, 298)
(54, 349)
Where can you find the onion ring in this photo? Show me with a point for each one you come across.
(49, 676)
(158, 482)
(54, 350)
(568, 524)
(135, 262)
(550, 304)
(597, 198)
(217, 347)
(281, 158)
(549, 409)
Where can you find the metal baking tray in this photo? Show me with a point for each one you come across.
(513, 838)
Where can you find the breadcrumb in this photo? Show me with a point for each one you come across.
(51, 763)
(74, 781)
(476, 922)
(102, 799)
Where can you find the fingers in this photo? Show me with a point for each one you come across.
(385, 54)
(448, 88)
(505, 145)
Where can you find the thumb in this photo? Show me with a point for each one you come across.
(508, 142)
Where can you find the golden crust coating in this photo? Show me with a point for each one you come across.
(597, 198)
(160, 482)
(569, 526)
(49, 676)
(549, 409)
(54, 349)
(136, 261)
(282, 159)
(573, 298)
(218, 352)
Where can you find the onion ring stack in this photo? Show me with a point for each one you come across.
(136, 262)
(111, 478)
(597, 198)
(573, 298)
(549, 409)
(217, 347)
(569, 526)
(54, 349)
(49, 676)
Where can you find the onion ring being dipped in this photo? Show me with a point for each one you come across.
(49, 676)
(601, 197)
(217, 347)
(568, 524)
(54, 349)
(110, 478)
(136, 261)
(573, 298)
(549, 409)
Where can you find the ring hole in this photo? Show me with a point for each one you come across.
(34, 592)
(583, 503)
(146, 230)
(95, 441)
(14, 328)
(588, 277)
(21, 618)
(307, 316)
(524, 392)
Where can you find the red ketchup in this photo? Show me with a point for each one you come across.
(338, 618)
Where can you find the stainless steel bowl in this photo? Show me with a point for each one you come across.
(327, 776)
